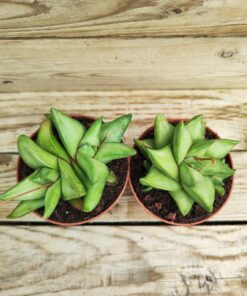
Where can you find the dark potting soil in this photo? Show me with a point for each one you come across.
(64, 212)
(160, 202)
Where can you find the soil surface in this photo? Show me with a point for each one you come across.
(64, 212)
(160, 202)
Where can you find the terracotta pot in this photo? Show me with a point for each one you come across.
(87, 220)
(142, 136)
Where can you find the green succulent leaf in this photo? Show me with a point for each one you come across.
(218, 181)
(97, 173)
(111, 151)
(158, 180)
(34, 156)
(143, 145)
(72, 187)
(196, 127)
(163, 131)
(189, 176)
(181, 142)
(202, 193)
(220, 148)
(113, 131)
(217, 148)
(24, 190)
(111, 179)
(220, 190)
(199, 148)
(87, 149)
(69, 129)
(44, 175)
(79, 172)
(182, 200)
(52, 197)
(26, 207)
(163, 160)
(48, 141)
(91, 136)
(213, 167)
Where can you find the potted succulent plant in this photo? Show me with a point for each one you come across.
(72, 169)
(182, 173)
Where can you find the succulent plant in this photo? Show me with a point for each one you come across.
(73, 168)
(181, 160)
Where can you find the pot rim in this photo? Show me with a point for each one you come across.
(93, 218)
(151, 127)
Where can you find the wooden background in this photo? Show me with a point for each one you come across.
(111, 57)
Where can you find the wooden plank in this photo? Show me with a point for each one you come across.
(122, 64)
(128, 210)
(225, 111)
(147, 261)
(89, 18)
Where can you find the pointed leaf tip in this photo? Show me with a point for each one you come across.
(69, 129)
(33, 155)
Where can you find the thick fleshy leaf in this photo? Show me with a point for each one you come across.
(79, 172)
(44, 175)
(87, 149)
(199, 148)
(91, 136)
(220, 190)
(34, 156)
(196, 127)
(158, 180)
(218, 181)
(72, 187)
(163, 131)
(147, 189)
(214, 167)
(52, 197)
(220, 148)
(143, 145)
(163, 160)
(111, 179)
(189, 176)
(181, 142)
(202, 193)
(26, 207)
(113, 131)
(217, 148)
(48, 141)
(69, 129)
(182, 200)
(24, 190)
(97, 173)
(110, 151)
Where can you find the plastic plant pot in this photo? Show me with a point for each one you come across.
(65, 214)
(154, 206)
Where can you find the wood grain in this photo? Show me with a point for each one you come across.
(225, 111)
(128, 210)
(87, 18)
(117, 261)
(123, 64)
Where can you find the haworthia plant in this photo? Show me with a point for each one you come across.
(69, 162)
(185, 163)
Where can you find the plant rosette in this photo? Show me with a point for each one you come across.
(182, 173)
(72, 170)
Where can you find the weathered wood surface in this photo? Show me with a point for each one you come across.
(128, 210)
(123, 64)
(117, 261)
(90, 18)
(224, 110)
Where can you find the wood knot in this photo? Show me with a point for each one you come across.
(227, 54)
